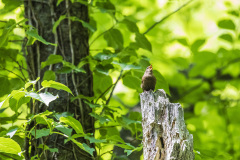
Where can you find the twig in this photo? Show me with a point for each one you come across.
(167, 16)
(73, 57)
(114, 85)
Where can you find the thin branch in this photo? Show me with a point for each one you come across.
(167, 16)
(73, 58)
(119, 77)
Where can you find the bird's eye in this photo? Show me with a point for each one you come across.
(148, 67)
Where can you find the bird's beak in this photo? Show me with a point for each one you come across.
(150, 67)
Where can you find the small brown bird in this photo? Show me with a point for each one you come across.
(148, 80)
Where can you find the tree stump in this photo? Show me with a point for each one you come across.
(165, 136)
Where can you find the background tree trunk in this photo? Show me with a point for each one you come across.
(165, 136)
(72, 44)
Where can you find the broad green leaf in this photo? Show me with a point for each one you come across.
(10, 25)
(197, 44)
(183, 41)
(226, 24)
(10, 5)
(72, 122)
(33, 33)
(102, 119)
(125, 146)
(4, 85)
(14, 101)
(73, 67)
(40, 132)
(161, 82)
(135, 149)
(7, 145)
(49, 75)
(227, 37)
(84, 146)
(132, 82)
(65, 130)
(56, 24)
(126, 121)
(127, 67)
(114, 38)
(55, 85)
(116, 138)
(104, 69)
(132, 26)
(63, 114)
(59, 1)
(143, 42)
(52, 59)
(93, 140)
(47, 97)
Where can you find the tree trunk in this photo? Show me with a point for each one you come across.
(72, 44)
(165, 136)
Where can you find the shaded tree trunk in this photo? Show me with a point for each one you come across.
(72, 44)
(165, 136)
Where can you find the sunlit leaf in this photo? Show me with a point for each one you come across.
(55, 85)
(227, 37)
(197, 44)
(8, 145)
(65, 130)
(226, 24)
(52, 59)
(47, 97)
(33, 33)
(72, 122)
(56, 24)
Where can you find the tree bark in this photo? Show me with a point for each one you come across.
(72, 44)
(165, 136)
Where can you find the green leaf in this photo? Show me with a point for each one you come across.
(143, 42)
(34, 33)
(52, 59)
(93, 140)
(65, 130)
(161, 82)
(84, 147)
(73, 67)
(197, 44)
(7, 145)
(18, 98)
(40, 132)
(227, 37)
(115, 138)
(56, 24)
(102, 119)
(132, 26)
(127, 67)
(75, 124)
(114, 38)
(55, 85)
(49, 75)
(104, 69)
(226, 24)
(132, 82)
(183, 41)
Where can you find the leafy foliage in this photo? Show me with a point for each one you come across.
(195, 55)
